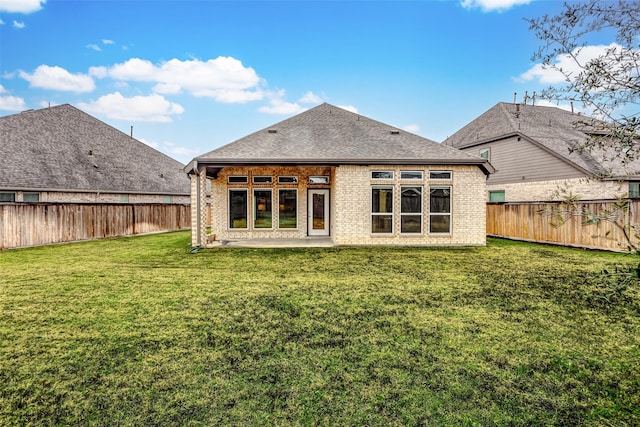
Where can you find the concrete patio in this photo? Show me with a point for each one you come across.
(309, 242)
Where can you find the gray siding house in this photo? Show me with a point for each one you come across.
(533, 149)
(343, 177)
(63, 155)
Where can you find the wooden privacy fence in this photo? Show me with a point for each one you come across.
(37, 224)
(528, 221)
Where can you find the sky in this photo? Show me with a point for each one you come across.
(190, 76)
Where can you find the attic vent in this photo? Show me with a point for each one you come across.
(272, 131)
(395, 132)
(91, 152)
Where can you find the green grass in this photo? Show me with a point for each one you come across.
(138, 331)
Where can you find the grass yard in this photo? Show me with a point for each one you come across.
(138, 331)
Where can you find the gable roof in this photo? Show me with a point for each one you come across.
(64, 149)
(330, 135)
(558, 131)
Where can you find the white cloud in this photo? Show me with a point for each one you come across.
(492, 5)
(94, 47)
(19, 25)
(152, 108)
(311, 98)
(12, 103)
(224, 79)
(57, 78)
(413, 128)
(565, 62)
(107, 41)
(1, 21)
(280, 106)
(21, 6)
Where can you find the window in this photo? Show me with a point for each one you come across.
(485, 153)
(262, 179)
(318, 180)
(411, 210)
(410, 174)
(382, 175)
(382, 210)
(262, 209)
(496, 196)
(440, 175)
(287, 208)
(7, 197)
(440, 210)
(30, 197)
(287, 179)
(634, 190)
(238, 179)
(124, 198)
(238, 208)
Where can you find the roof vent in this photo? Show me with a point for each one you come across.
(272, 131)
(395, 132)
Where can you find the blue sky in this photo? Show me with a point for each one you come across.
(190, 76)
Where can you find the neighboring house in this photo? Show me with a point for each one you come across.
(535, 151)
(63, 155)
(332, 173)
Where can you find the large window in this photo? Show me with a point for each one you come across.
(238, 208)
(288, 208)
(382, 210)
(440, 210)
(411, 210)
(262, 215)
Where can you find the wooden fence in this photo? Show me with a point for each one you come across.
(532, 222)
(37, 224)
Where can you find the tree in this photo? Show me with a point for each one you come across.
(607, 83)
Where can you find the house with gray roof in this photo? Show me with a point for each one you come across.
(63, 155)
(334, 174)
(536, 151)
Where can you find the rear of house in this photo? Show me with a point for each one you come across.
(334, 174)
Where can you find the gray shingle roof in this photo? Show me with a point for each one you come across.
(63, 148)
(555, 129)
(327, 134)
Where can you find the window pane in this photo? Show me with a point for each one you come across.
(440, 200)
(31, 197)
(288, 179)
(238, 180)
(634, 190)
(439, 223)
(411, 200)
(381, 223)
(7, 197)
(382, 200)
(288, 208)
(262, 209)
(238, 209)
(262, 180)
(485, 153)
(382, 174)
(496, 196)
(439, 175)
(411, 175)
(411, 224)
(318, 180)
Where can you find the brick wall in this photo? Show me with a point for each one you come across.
(540, 191)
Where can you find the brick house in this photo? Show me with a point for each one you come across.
(63, 155)
(331, 173)
(533, 149)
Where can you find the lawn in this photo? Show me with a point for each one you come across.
(138, 331)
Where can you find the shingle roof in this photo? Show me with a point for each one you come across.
(63, 148)
(327, 134)
(555, 129)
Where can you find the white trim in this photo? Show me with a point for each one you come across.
(246, 209)
(326, 212)
(373, 214)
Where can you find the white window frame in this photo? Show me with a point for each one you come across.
(255, 208)
(241, 179)
(297, 209)
(421, 214)
(421, 173)
(431, 177)
(246, 209)
(392, 213)
(449, 214)
(293, 178)
(384, 178)
(319, 179)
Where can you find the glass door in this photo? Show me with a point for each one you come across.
(318, 213)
